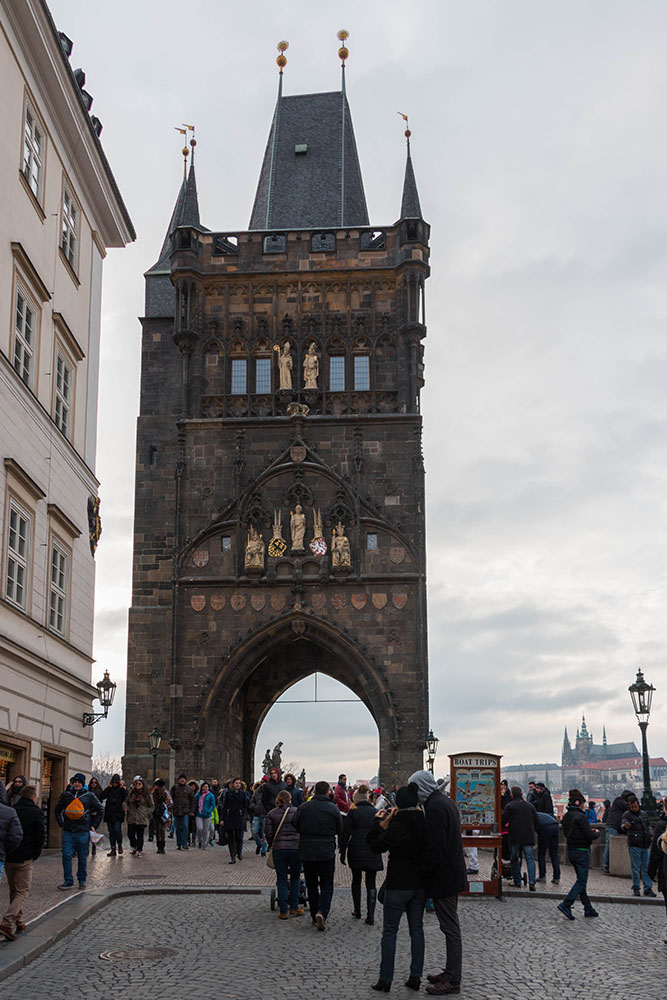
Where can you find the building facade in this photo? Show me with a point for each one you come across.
(279, 518)
(61, 210)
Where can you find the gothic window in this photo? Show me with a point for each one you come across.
(239, 376)
(337, 373)
(262, 375)
(362, 374)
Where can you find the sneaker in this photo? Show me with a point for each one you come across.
(7, 932)
(541, 878)
(472, 871)
(532, 887)
(66, 885)
(649, 892)
(320, 922)
(283, 916)
(636, 892)
(82, 885)
(133, 851)
(591, 913)
(566, 910)
(299, 912)
(140, 854)
(605, 871)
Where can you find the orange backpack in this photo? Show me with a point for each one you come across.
(74, 810)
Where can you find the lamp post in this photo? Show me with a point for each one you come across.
(154, 740)
(642, 696)
(106, 692)
(431, 749)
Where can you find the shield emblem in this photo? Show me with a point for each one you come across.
(379, 601)
(238, 602)
(200, 557)
(338, 601)
(198, 602)
(318, 547)
(277, 547)
(358, 601)
(277, 602)
(218, 602)
(397, 553)
(318, 601)
(258, 601)
(297, 452)
(399, 600)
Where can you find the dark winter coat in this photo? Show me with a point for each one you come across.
(13, 797)
(505, 799)
(544, 802)
(183, 799)
(269, 792)
(617, 808)
(31, 819)
(113, 799)
(577, 829)
(11, 833)
(353, 842)
(234, 809)
(288, 838)
(657, 862)
(318, 823)
(639, 833)
(298, 798)
(523, 822)
(443, 864)
(92, 814)
(256, 809)
(404, 838)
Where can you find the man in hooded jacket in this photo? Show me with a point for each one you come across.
(445, 876)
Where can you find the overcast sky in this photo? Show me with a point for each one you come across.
(539, 146)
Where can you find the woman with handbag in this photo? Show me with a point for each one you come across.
(284, 855)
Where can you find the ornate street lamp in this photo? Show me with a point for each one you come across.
(642, 696)
(431, 749)
(154, 741)
(106, 692)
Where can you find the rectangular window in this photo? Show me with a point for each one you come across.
(362, 373)
(18, 548)
(58, 589)
(371, 542)
(70, 227)
(337, 373)
(63, 399)
(238, 376)
(24, 336)
(263, 375)
(226, 543)
(33, 151)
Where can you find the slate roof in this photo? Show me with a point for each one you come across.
(319, 188)
(186, 213)
(410, 207)
(613, 751)
(616, 765)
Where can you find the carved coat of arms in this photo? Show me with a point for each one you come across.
(397, 553)
(297, 452)
(218, 602)
(277, 547)
(318, 601)
(338, 601)
(200, 557)
(258, 601)
(379, 601)
(277, 602)
(198, 602)
(399, 600)
(238, 602)
(318, 547)
(358, 601)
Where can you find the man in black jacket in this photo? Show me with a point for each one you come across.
(318, 823)
(114, 796)
(635, 824)
(543, 803)
(523, 826)
(613, 821)
(19, 863)
(270, 789)
(11, 833)
(580, 836)
(444, 871)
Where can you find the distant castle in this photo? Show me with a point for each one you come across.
(585, 751)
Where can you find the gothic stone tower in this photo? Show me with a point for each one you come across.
(279, 518)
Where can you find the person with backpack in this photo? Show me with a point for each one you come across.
(77, 812)
(113, 797)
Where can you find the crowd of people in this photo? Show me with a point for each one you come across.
(301, 831)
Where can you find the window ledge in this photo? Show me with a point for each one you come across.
(33, 198)
(68, 267)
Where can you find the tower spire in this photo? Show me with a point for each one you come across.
(410, 206)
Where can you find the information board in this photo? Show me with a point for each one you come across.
(475, 787)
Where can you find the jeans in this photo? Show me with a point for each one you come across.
(610, 833)
(529, 855)
(257, 830)
(203, 830)
(319, 877)
(75, 843)
(135, 833)
(639, 864)
(182, 824)
(397, 902)
(446, 910)
(115, 829)
(547, 840)
(580, 859)
(288, 870)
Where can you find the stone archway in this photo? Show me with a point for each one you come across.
(269, 662)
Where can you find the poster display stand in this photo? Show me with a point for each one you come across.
(475, 788)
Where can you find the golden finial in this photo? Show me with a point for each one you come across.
(281, 61)
(185, 151)
(407, 132)
(343, 52)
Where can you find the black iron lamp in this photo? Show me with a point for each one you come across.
(154, 741)
(106, 692)
(431, 749)
(642, 697)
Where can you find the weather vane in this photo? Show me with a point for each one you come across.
(193, 142)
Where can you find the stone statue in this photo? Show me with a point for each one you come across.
(298, 527)
(285, 366)
(318, 531)
(277, 756)
(302, 778)
(311, 368)
(267, 763)
(340, 548)
(254, 550)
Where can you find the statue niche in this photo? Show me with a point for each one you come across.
(254, 552)
(340, 549)
(311, 368)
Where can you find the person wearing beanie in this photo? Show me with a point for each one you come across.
(183, 807)
(113, 797)
(77, 812)
(579, 836)
(443, 866)
(402, 832)
(361, 859)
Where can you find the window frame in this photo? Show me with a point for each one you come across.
(29, 108)
(17, 506)
(367, 373)
(62, 592)
(232, 390)
(332, 358)
(261, 391)
(71, 226)
(18, 336)
(59, 396)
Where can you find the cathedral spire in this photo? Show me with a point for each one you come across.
(604, 736)
(410, 206)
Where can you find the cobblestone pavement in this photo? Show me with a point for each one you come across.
(211, 868)
(214, 938)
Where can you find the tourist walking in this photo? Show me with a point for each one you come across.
(522, 829)
(258, 814)
(579, 835)
(401, 832)
(443, 866)
(298, 798)
(636, 825)
(363, 860)
(614, 816)
(547, 840)
(77, 811)
(319, 823)
(161, 813)
(139, 811)
(11, 833)
(183, 806)
(113, 797)
(341, 797)
(14, 789)
(270, 789)
(19, 862)
(204, 809)
(192, 823)
(232, 818)
(283, 841)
